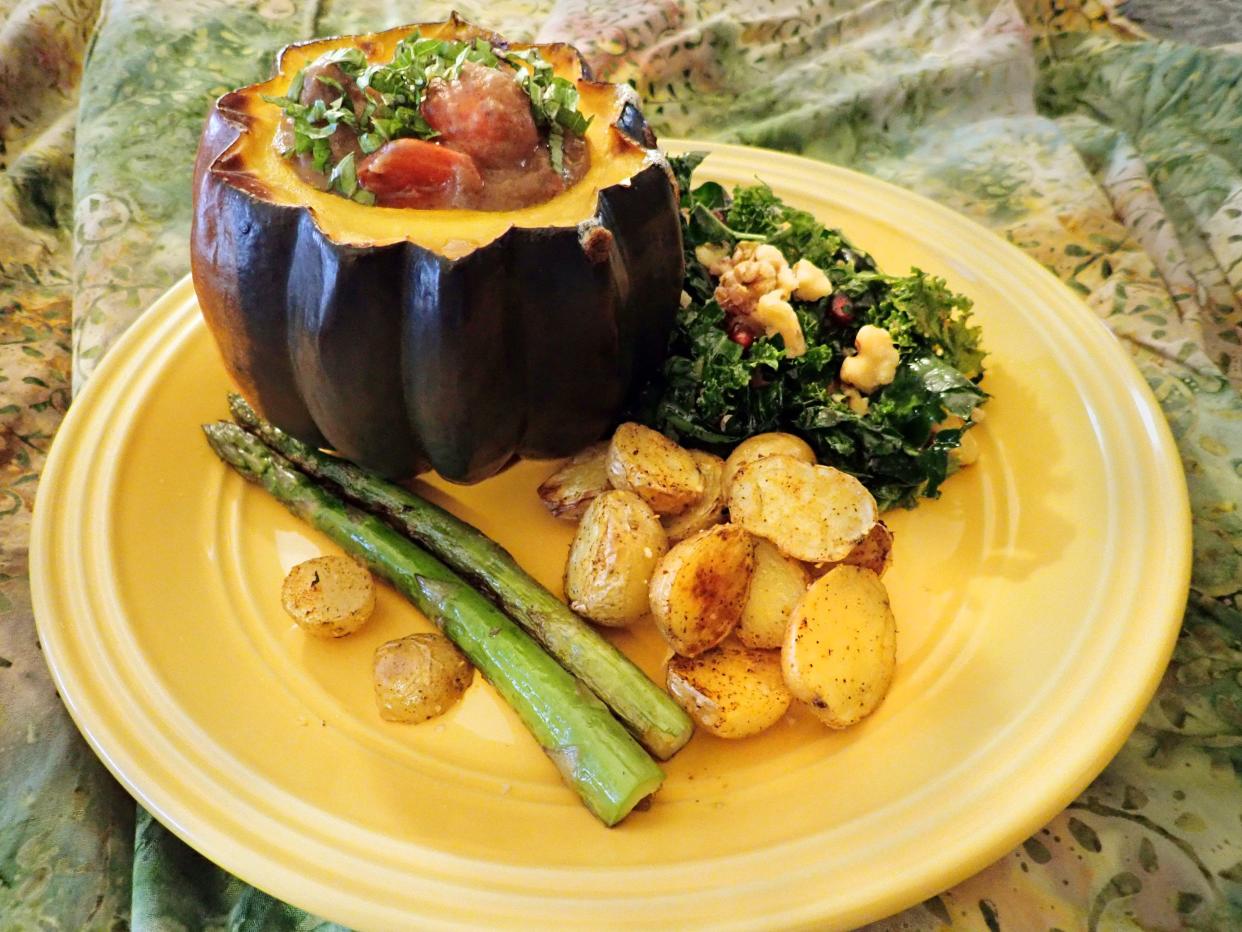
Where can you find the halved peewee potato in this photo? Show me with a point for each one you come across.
(568, 491)
(418, 677)
(875, 551)
(615, 551)
(773, 443)
(662, 474)
(731, 691)
(329, 596)
(708, 510)
(841, 646)
(810, 512)
(699, 588)
(776, 586)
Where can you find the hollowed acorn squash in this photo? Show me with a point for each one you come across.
(449, 339)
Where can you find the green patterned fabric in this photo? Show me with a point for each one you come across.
(1113, 158)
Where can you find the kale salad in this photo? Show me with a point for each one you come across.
(879, 373)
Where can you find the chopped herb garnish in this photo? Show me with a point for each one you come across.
(312, 125)
(344, 177)
(349, 59)
(295, 86)
(394, 93)
(714, 392)
(328, 82)
(553, 100)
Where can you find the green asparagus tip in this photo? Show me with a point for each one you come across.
(239, 448)
(241, 410)
(217, 435)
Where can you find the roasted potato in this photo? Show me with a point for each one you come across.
(875, 551)
(568, 491)
(841, 646)
(776, 586)
(811, 512)
(708, 510)
(699, 588)
(761, 445)
(330, 596)
(645, 462)
(731, 691)
(418, 677)
(614, 553)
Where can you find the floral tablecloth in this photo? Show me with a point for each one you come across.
(1111, 156)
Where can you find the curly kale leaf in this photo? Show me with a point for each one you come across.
(921, 312)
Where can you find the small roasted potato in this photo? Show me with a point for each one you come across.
(776, 586)
(731, 691)
(330, 596)
(568, 491)
(612, 558)
(708, 510)
(662, 474)
(841, 646)
(811, 512)
(418, 677)
(761, 445)
(875, 551)
(699, 588)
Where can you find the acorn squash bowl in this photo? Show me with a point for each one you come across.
(454, 340)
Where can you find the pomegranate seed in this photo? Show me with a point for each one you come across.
(741, 336)
(841, 310)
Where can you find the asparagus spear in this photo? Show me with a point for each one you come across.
(595, 755)
(654, 718)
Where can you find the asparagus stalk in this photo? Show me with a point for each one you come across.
(595, 755)
(654, 718)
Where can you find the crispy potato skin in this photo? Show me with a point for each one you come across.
(840, 649)
(614, 553)
(645, 462)
(776, 586)
(709, 509)
(699, 588)
(757, 447)
(419, 677)
(731, 691)
(875, 552)
(329, 596)
(568, 491)
(810, 512)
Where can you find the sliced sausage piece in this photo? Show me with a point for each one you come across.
(484, 113)
(420, 174)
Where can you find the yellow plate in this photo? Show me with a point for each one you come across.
(1037, 604)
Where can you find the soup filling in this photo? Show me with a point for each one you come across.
(445, 124)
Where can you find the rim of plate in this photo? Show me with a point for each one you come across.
(233, 835)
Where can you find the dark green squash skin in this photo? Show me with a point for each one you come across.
(401, 359)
